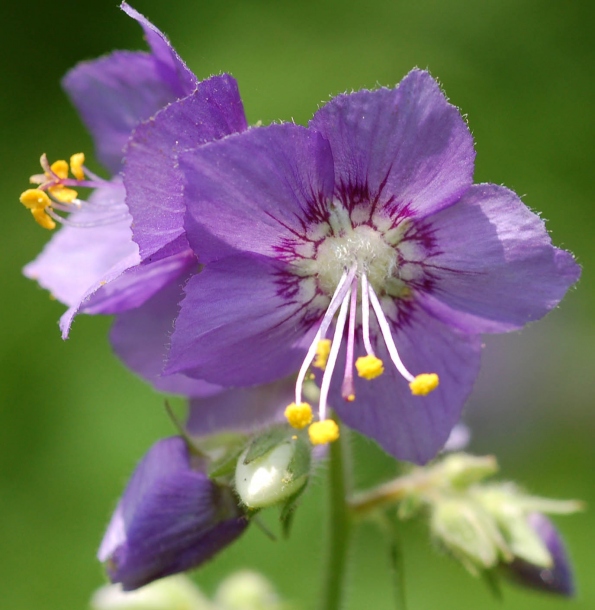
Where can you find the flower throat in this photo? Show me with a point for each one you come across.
(354, 265)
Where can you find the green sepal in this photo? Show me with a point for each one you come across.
(266, 442)
(288, 511)
(301, 461)
(225, 466)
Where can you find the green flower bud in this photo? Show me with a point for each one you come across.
(270, 472)
(462, 469)
(247, 590)
(469, 533)
(177, 592)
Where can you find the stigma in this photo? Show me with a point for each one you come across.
(355, 264)
(56, 191)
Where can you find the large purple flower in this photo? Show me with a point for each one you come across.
(369, 212)
(94, 263)
(171, 518)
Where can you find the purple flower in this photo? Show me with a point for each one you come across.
(369, 212)
(556, 579)
(93, 264)
(171, 518)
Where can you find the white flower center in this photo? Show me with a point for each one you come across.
(361, 247)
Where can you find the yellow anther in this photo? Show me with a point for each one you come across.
(60, 168)
(43, 219)
(322, 432)
(423, 384)
(369, 367)
(299, 416)
(35, 199)
(350, 398)
(323, 349)
(76, 165)
(63, 194)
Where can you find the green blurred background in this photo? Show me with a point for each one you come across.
(74, 422)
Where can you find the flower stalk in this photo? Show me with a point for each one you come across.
(339, 524)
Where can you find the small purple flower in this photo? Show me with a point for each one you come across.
(370, 215)
(171, 518)
(93, 264)
(556, 579)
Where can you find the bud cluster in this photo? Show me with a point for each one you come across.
(488, 527)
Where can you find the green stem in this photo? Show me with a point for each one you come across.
(339, 526)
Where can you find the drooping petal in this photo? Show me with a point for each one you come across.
(496, 268)
(171, 518)
(141, 338)
(239, 324)
(153, 184)
(408, 146)
(414, 428)
(250, 191)
(115, 93)
(241, 409)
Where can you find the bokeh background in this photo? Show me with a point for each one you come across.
(73, 422)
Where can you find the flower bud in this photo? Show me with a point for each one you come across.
(269, 473)
(174, 592)
(171, 518)
(462, 469)
(557, 578)
(468, 532)
(247, 590)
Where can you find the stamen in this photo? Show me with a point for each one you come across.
(341, 290)
(366, 316)
(322, 432)
(299, 415)
(332, 359)
(369, 367)
(63, 194)
(86, 225)
(388, 337)
(38, 202)
(76, 165)
(424, 383)
(348, 389)
(323, 349)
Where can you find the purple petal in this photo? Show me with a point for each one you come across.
(557, 579)
(414, 428)
(267, 184)
(234, 327)
(115, 93)
(240, 410)
(407, 145)
(141, 337)
(153, 183)
(171, 518)
(496, 269)
(169, 64)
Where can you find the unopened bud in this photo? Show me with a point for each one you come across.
(273, 476)
(462, 469)
(557, 578)
(469, 533)
(247, 590)
(174, 592)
